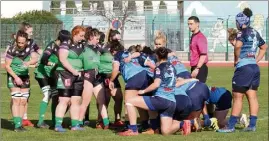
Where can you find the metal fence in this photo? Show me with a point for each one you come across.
(142, 31)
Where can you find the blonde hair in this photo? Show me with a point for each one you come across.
(160, 36)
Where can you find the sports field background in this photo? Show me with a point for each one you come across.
(218, 76)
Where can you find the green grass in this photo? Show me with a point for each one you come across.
(217, 77)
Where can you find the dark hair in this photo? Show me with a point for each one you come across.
(21, 33)
(64, 35)
(115, 45)
(147, 50)
(24, 26)
(134, 48)
(194, 18)
(247, 12)
(91, 32)
(102, 37)
(112, 33)
(162, 53)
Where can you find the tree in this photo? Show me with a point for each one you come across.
(131, 6)
(72, 7)
(85, 4)
(162, 5)
(123, 14)
(148, 5)
(56, 5)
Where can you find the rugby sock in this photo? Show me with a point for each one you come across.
(252, 121)
(181, 124)
(232, 121)
(126, 122)
(25, 116)
(154, 123)
(74, 122)
(58, 121)
(17, 121)
(133, 127)
(206, 117)
(192, 122)
(80, 122)
(105, 121)
(207, 122)
(145, 124)
(42, 111)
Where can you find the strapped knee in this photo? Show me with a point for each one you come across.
(46, 92)
(25, 95)
(16, 95)
(129, 104)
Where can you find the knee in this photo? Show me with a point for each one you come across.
(165, 132)
(75, 100)
(64, 101)
(23, 102)
(16, 101)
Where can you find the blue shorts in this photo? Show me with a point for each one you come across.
(137, 82)
(166, 108)
(225, 101)
(246, 77)
(185, 75)
(198, 94)
(183, 107)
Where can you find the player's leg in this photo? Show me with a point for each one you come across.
(46, 90)
(100, 98)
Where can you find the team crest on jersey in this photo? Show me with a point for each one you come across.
(27, 82)
(27, 49)
(87, 75)
(67, 82)
(158, 71)
(239, 34)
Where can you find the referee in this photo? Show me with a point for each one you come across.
(198, 49)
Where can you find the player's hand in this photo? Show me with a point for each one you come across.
(26, 64)
(111, 85)
(128, 59)
(18, 81)
(77, 73)
(141, 92)
(194, 73)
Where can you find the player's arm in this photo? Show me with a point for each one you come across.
(205, 109)
(115, 70)
(33, 60)
(8, 68)
(202, 47)
(45, 57)
(181, 81)
(156, 84)
(237, 49)
(263, 48)
(114, 74)
(63, 53)
(261, 53)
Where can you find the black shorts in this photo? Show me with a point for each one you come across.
(47, 81)
(104, 78)
(25, 81)
(67, 80)
(92, 77)
(202, 74)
